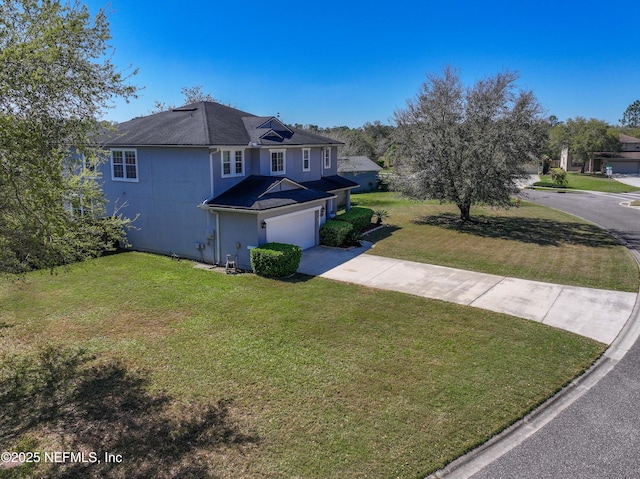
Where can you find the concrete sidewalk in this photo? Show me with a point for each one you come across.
(594, 313)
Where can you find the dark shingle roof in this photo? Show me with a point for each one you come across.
(330, 183)
(357, 164)
(254, 194)
(208, 124)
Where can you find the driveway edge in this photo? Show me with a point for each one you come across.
(476, 459)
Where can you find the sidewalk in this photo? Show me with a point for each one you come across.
(594, 313)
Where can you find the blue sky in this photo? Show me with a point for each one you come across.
(334, 63)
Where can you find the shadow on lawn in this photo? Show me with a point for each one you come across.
(67, 398)
(540, 231)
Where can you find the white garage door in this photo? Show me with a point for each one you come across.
(296, 228)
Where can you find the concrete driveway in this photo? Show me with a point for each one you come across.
(594, 313)
(628, 179)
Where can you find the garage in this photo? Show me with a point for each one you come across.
(627, 167)
(298, 228)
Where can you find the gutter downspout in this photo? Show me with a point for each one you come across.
(216, 251)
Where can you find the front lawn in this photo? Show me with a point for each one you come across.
(529, 242)
(589, 182)
(183, 372)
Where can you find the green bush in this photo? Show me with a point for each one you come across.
(360, 218)
(559, 177)
(335, 233)
(275, 260)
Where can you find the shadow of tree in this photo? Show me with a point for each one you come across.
(86, 405)
(539, 231)
(382, 233)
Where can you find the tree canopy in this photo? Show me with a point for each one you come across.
(56, 80)
(467, 145)
(191, 95)
(631, 116)
(583, 138)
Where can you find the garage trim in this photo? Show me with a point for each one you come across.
(276, 219)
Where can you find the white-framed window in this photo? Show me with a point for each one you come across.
(278, 162)
(232, 163)
(306, 159)
(124, 164)
(326, 157)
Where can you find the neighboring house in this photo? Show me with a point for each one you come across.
(360, 169)
(627, 160)
(209, 181)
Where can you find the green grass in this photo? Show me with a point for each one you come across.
(193, 373)
(590, 182)
(530, 242)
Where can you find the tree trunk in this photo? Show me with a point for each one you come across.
(465, 212)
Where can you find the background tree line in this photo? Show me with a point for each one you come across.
(374, 140)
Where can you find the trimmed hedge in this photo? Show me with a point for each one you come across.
(359, 217)
(275, 260)
(334, 233)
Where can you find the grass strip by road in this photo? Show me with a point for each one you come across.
(184, 371)
(589, 182)
(530, 242)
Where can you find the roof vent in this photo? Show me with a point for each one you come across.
(184, 109)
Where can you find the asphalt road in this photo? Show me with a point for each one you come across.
(598, 435)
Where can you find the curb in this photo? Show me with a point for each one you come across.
(477, 459)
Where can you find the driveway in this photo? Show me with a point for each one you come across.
(594, 313)
(591, 429)
(633, 180)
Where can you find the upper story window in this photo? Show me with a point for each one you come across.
(232, 163)
(278, 162)
(326, 157)
(306, 159)
(124, 165)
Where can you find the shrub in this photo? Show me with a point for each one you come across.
(335, 233)
(275, 260)
(360, 218)
(380, 216)
(559, 177)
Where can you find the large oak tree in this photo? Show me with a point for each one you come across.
(467, 145)
(56, 79)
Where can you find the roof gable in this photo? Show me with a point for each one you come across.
(275, 124)
(257, 193)
(285, 184)
(272, 135)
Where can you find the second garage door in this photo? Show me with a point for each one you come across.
(296, 228)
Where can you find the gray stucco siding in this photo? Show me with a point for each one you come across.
(293, 163)
(367, 180)
(171, 183)
(237, 232)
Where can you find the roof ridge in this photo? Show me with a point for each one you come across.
(207, 132)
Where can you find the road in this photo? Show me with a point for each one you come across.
(598, 434)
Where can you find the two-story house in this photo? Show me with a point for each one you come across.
(624, 160)
(207, 181)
